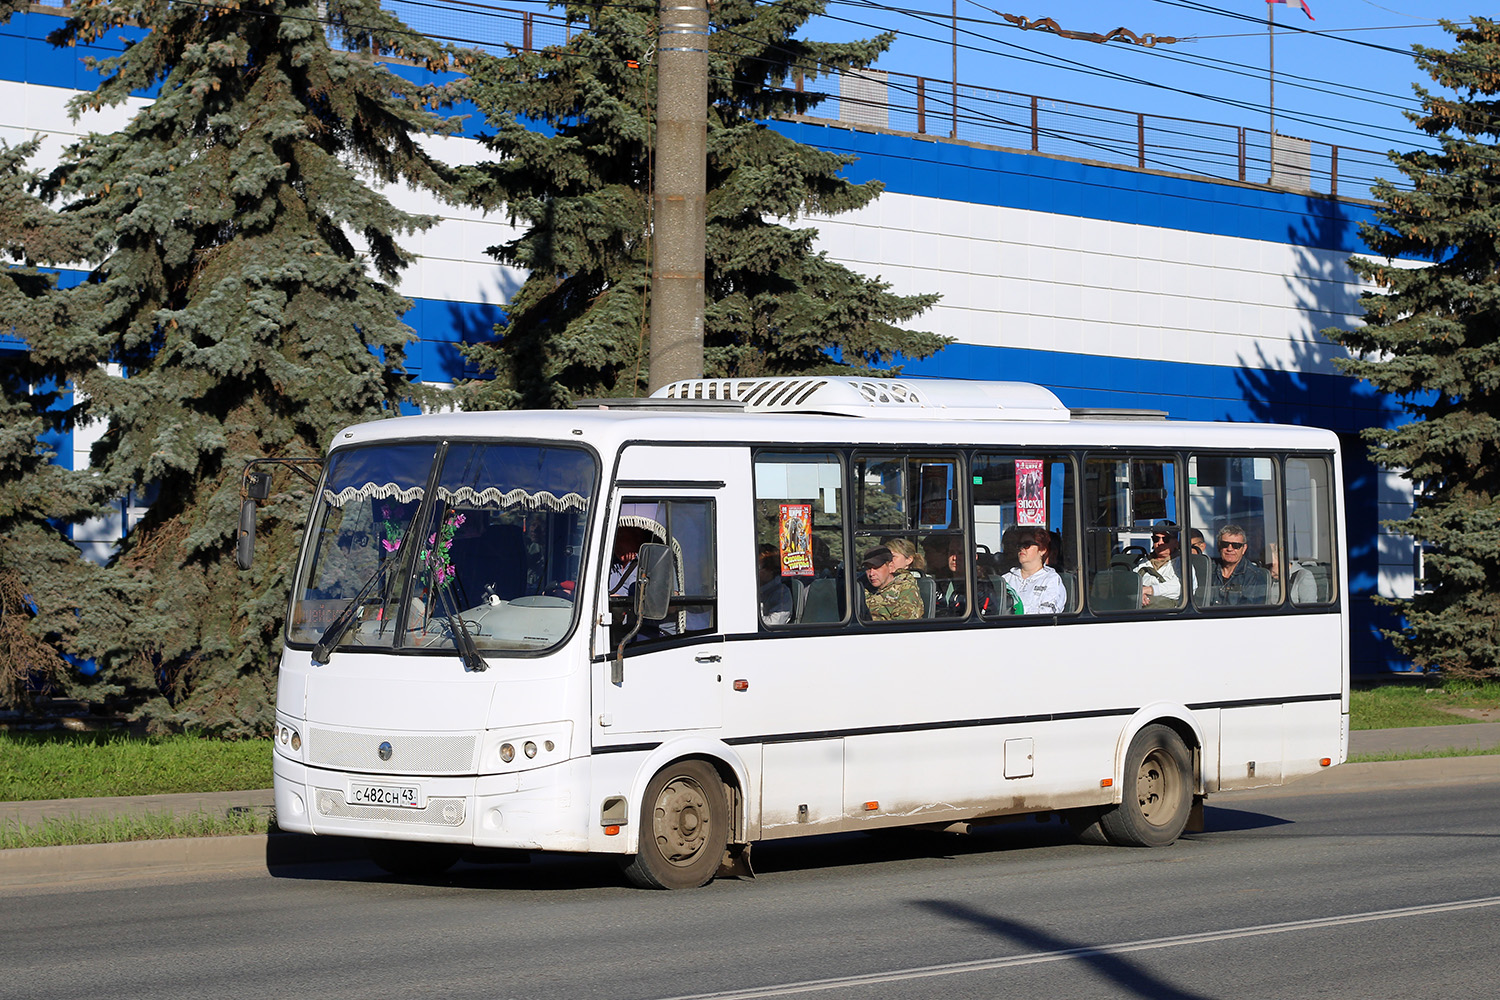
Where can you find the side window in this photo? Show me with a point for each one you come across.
(799, 538)
(686, 527)
(1310, 564)
(1235, 520)
(1025, 554)
(907, 519)
(1132, 536)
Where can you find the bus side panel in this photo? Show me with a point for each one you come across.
(802, 788)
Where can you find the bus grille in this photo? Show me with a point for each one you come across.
(411, 753)
(438, 812)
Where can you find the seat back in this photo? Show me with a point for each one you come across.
(1115, 589)
(822, 602)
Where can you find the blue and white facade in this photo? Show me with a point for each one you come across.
(1113, 286)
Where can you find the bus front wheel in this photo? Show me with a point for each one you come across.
(684, 828)
(1158, 792)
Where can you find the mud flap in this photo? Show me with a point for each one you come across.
(736, 863)
(1195, 816)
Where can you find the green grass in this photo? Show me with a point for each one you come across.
(84, 765)
(1396, 706)
(119, 829)
(1377, 758)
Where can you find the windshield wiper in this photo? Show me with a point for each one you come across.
(336, 628)
(462, 640)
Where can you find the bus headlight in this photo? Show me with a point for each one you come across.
(533, 746)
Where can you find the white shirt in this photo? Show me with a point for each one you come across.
(1041, 593)
(1168, 588)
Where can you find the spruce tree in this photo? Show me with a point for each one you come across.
(238, 304)
(573, 138)
(1431, 337)
(39, 566)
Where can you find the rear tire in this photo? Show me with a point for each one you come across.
(1158, 792)
(684, 828)
(410, 860)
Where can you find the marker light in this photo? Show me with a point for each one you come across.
(611, 831)
(742, 685)
(507, 752)
(1106, 782)
(871, 806)
(1326, 761)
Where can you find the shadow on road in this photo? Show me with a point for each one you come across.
(346, 860)
(1128, 978)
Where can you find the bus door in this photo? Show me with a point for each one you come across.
(666, 674)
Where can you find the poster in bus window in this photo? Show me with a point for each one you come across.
(1031, 492)
(796, 539)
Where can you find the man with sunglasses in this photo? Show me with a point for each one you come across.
(1161, 587)
(1236, 580)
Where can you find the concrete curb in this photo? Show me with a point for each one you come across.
(86, 862)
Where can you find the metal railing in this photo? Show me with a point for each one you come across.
(927, 106)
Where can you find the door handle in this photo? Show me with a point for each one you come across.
(707, 658)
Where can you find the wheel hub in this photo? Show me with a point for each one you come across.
(678, 821)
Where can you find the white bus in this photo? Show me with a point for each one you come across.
(642, 628)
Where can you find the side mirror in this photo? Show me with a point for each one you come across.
(652, 596)
(654, 578)
(244, 553)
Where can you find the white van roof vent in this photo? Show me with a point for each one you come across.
(933, 399)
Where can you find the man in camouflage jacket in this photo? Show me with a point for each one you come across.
(891, 596)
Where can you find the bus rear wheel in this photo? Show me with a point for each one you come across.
(1158, 792)
(684, 828)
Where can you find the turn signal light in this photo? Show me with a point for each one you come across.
(611, 831)
(507, 752)
(1106, 783)
(1326, 761)
(742, 685)
(871, 806)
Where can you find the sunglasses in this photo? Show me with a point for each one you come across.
(1231, 545)
(1161, 538)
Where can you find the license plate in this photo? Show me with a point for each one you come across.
(400, 796)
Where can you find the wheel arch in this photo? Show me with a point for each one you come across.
(723, 758)
(1174, 716)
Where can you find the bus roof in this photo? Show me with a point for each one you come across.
(792, 411)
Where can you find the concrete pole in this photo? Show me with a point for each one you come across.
(678, 201)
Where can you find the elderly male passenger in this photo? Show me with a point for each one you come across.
(1235, 579)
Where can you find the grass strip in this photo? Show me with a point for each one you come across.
(72, 831)
(1390, 755)
(85, 765)
(1402, 706)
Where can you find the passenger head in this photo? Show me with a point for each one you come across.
(1231, 542)
(1164, 540)
(1197, 542)
(878, 566)
(1032, 546)
(903, 553)
(768, 562)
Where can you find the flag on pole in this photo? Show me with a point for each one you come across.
(1305, 8)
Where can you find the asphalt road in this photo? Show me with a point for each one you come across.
(1364, 893)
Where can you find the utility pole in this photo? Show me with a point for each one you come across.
(678, 203)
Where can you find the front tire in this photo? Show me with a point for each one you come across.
(684, 828)
(1158, 792)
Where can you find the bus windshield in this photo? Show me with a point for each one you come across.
(495, 552)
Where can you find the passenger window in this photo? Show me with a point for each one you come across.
(1024, 500)
(1132, 536)
(907, 522)
(799, 538)
(687, 528)
(1311, 570)
(1235, 522)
